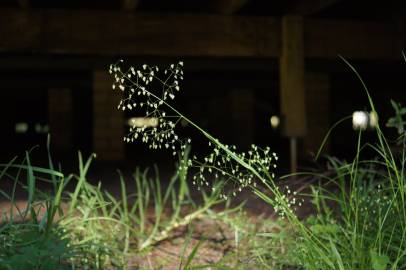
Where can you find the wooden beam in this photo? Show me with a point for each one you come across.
(228, 7)
(112, 33)
(291, 70)
(117, 33)
(88, 62)
(308, 7)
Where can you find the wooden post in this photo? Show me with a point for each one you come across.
(292, 90)
(60, 118)
(108, 121)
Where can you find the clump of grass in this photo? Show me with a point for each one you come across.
(360, 212)
(89, 228)
(368, 230)
(31, 237)
(39, 235)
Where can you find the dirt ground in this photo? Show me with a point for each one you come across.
(216, 241)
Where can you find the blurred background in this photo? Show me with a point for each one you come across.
(264, 72)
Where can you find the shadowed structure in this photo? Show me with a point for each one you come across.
(247, 59)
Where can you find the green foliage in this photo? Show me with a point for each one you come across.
(397, 120)
(359, 219)
(30, 239)
(33, 238)
(378, 261)
(360, 214)
(96, 230)
(25, 247)
(360, 223)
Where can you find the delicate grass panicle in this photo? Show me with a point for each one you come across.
(365, 230)
(136, 84)
(153, 100)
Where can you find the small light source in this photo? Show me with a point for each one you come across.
(360, 120)
(275, 121)
(21, 128)
(143, 122)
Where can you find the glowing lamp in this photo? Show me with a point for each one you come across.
(21, 128)
(275, 121)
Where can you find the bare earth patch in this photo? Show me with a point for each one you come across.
(216, 237)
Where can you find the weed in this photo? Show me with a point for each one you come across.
(96, 230)
(368, 232)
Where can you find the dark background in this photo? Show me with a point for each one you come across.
(27, 72)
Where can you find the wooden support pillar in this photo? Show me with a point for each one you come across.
(60, 115)
(108, 121)
(317, 111)
(292, 88)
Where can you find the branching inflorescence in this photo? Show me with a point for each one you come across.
(222, 165)
(135, 84)
(149, 90)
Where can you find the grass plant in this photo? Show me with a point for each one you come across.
(359, 219)
(31, 238)
(87, 227)
(367, 228)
